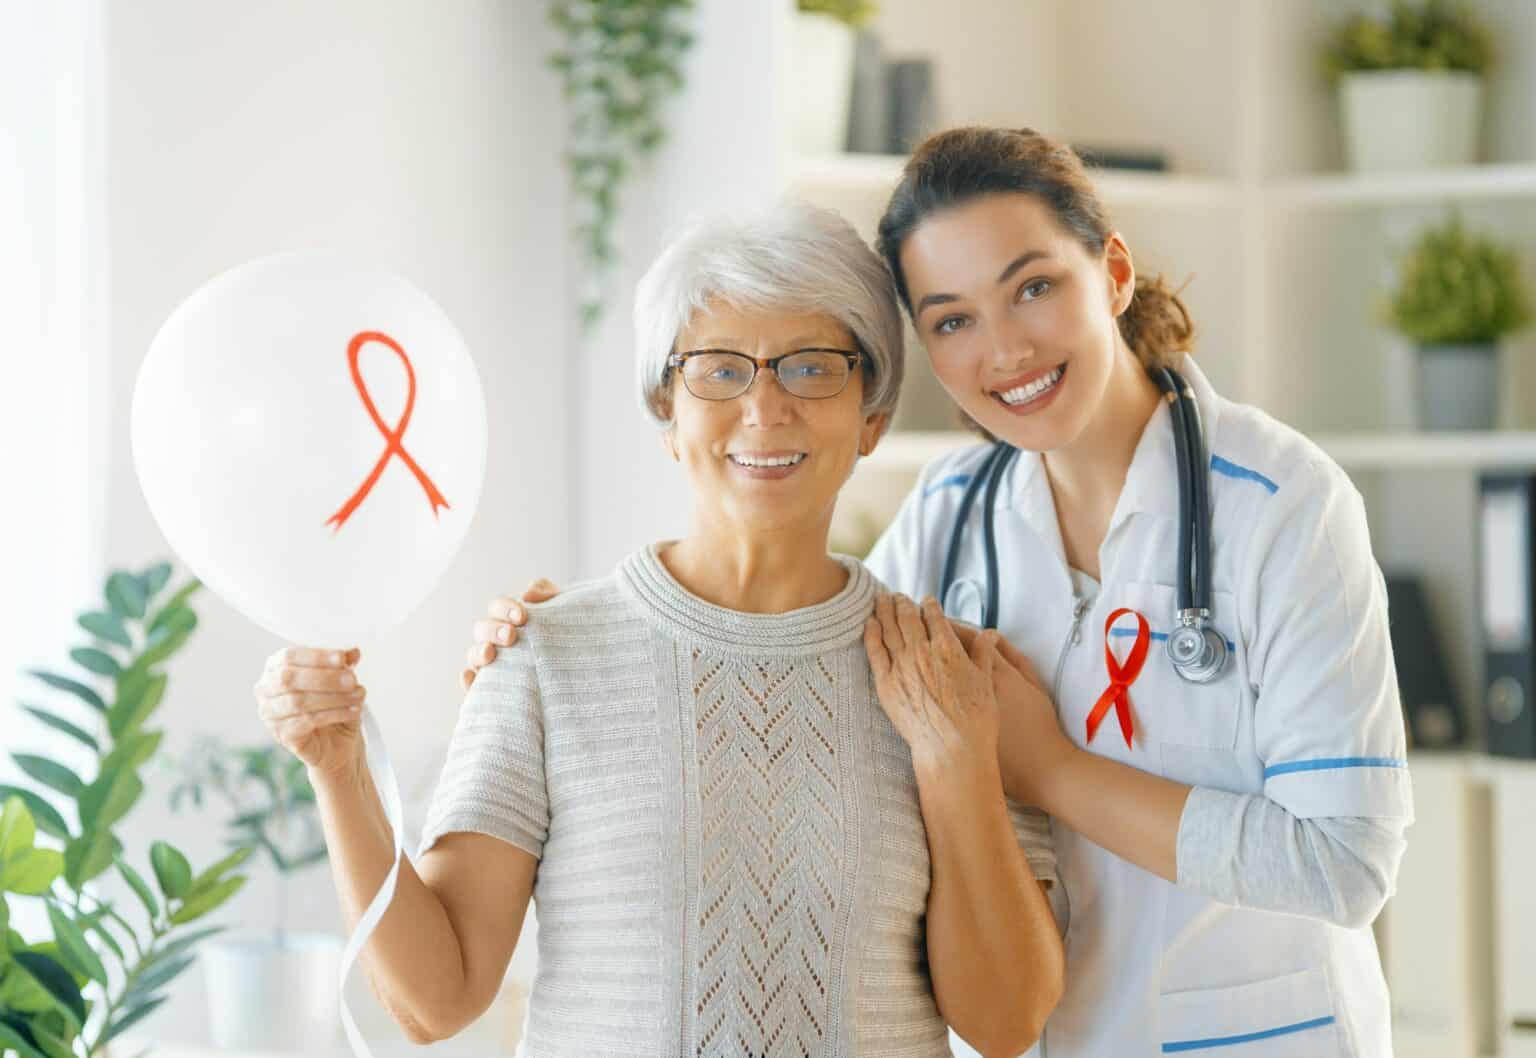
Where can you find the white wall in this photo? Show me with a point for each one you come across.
(425, 137)
(625, 491)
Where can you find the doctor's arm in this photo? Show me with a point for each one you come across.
(1325, 836)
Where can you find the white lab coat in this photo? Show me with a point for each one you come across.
(1306, 713)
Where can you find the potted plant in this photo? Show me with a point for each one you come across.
(1411, 85)
(1457, 294)
(822, 71)
(276, 991)
(98, 974)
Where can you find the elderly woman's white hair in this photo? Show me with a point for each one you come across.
(791, 257)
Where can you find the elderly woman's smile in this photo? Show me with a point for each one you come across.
(769, 466)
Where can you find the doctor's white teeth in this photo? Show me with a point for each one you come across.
(746, 460)
(1020, 394)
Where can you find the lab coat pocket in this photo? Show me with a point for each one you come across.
(1282, 1016)
(1169, 708)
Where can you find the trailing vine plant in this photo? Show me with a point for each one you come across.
(618, 60)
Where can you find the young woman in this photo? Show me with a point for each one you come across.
(1223, 846)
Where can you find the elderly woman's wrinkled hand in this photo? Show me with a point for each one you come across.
(937, 692)
(311, 703)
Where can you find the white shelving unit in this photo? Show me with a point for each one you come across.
(908, 451)
(1286, 255)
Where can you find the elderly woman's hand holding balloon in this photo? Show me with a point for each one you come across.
(312, 705)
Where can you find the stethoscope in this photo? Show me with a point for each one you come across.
(1197, 651)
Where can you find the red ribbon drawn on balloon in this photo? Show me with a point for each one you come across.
(1120, 676)
(393, 447)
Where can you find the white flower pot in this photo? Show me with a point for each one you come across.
(821, 82)
(1459, 386)
(1411, 119)
(266, 997)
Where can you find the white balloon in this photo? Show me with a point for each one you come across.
(256, 450)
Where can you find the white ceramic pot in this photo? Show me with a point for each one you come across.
(821, 82)
(263, 996)
(1411, 119)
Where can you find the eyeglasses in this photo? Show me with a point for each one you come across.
(718, 374)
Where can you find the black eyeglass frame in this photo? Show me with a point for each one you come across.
(678, 360)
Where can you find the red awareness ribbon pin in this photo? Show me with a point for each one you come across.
(393, 447)
(1121, 677)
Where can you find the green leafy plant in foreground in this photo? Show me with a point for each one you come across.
(98, 974)
(271, 804)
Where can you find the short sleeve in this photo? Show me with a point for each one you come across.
(493, 778)
(1328, 724)
(1033, 829)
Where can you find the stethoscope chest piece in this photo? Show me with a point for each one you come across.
(1198, 652)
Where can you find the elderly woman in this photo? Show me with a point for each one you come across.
(749, 829)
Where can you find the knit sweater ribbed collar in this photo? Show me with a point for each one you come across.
(810, 630)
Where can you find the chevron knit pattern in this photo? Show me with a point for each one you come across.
(772, 851)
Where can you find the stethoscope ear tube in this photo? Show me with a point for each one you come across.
(1197, 651)
(989, 614)
(989, 476)
(952, 553)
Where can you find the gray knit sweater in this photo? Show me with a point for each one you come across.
(732, 853)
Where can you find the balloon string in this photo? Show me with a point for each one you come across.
(384, 779)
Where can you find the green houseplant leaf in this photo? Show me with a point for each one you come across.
(69, 686)
(140, 888)
(31, 872)
(44, 814)
(171, 870)
(215, 874)
(76, 951)
(51, 774)
(175, 602)
(11, 1039)
(87, 856)
(169, 636)
(855, 13)
(56, 983)
(1424, 35)
(130, 1018)
(94, 660)
(155, 578)
(58, 723)
(106, 626)
(200, 904)
(17, 829)
(109, 797)
(138, 694)
(125, 594)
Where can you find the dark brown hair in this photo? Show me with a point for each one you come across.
(954, 167)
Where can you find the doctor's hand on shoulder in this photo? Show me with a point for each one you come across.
(936, 690)
(498, 628)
